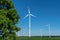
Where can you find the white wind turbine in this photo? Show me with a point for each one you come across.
(49, 29)
(41, 32)
(29, 15)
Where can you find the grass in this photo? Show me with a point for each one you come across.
(39, 38)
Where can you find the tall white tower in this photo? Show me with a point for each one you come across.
(49, 31)
(29, 15)
(41, 32)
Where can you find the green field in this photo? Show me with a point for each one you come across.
(39, 38)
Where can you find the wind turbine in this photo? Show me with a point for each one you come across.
(49, 29)
(41, 32)
(29, 15)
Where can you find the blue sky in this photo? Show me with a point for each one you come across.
(47, 12)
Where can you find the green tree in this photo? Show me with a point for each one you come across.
(8, 19)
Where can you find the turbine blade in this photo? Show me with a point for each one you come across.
(28, 10)
(26, 16)
(33, 15)
(47, 25)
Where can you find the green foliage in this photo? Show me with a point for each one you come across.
(8, 18)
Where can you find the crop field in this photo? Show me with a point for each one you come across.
(39, 38)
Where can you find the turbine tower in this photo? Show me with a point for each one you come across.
(29, 15)
(49, 31)
(41, 32)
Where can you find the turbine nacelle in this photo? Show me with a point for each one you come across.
(29, 14)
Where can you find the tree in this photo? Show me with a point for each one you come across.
(8, 19)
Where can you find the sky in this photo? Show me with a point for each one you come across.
(46, 12)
